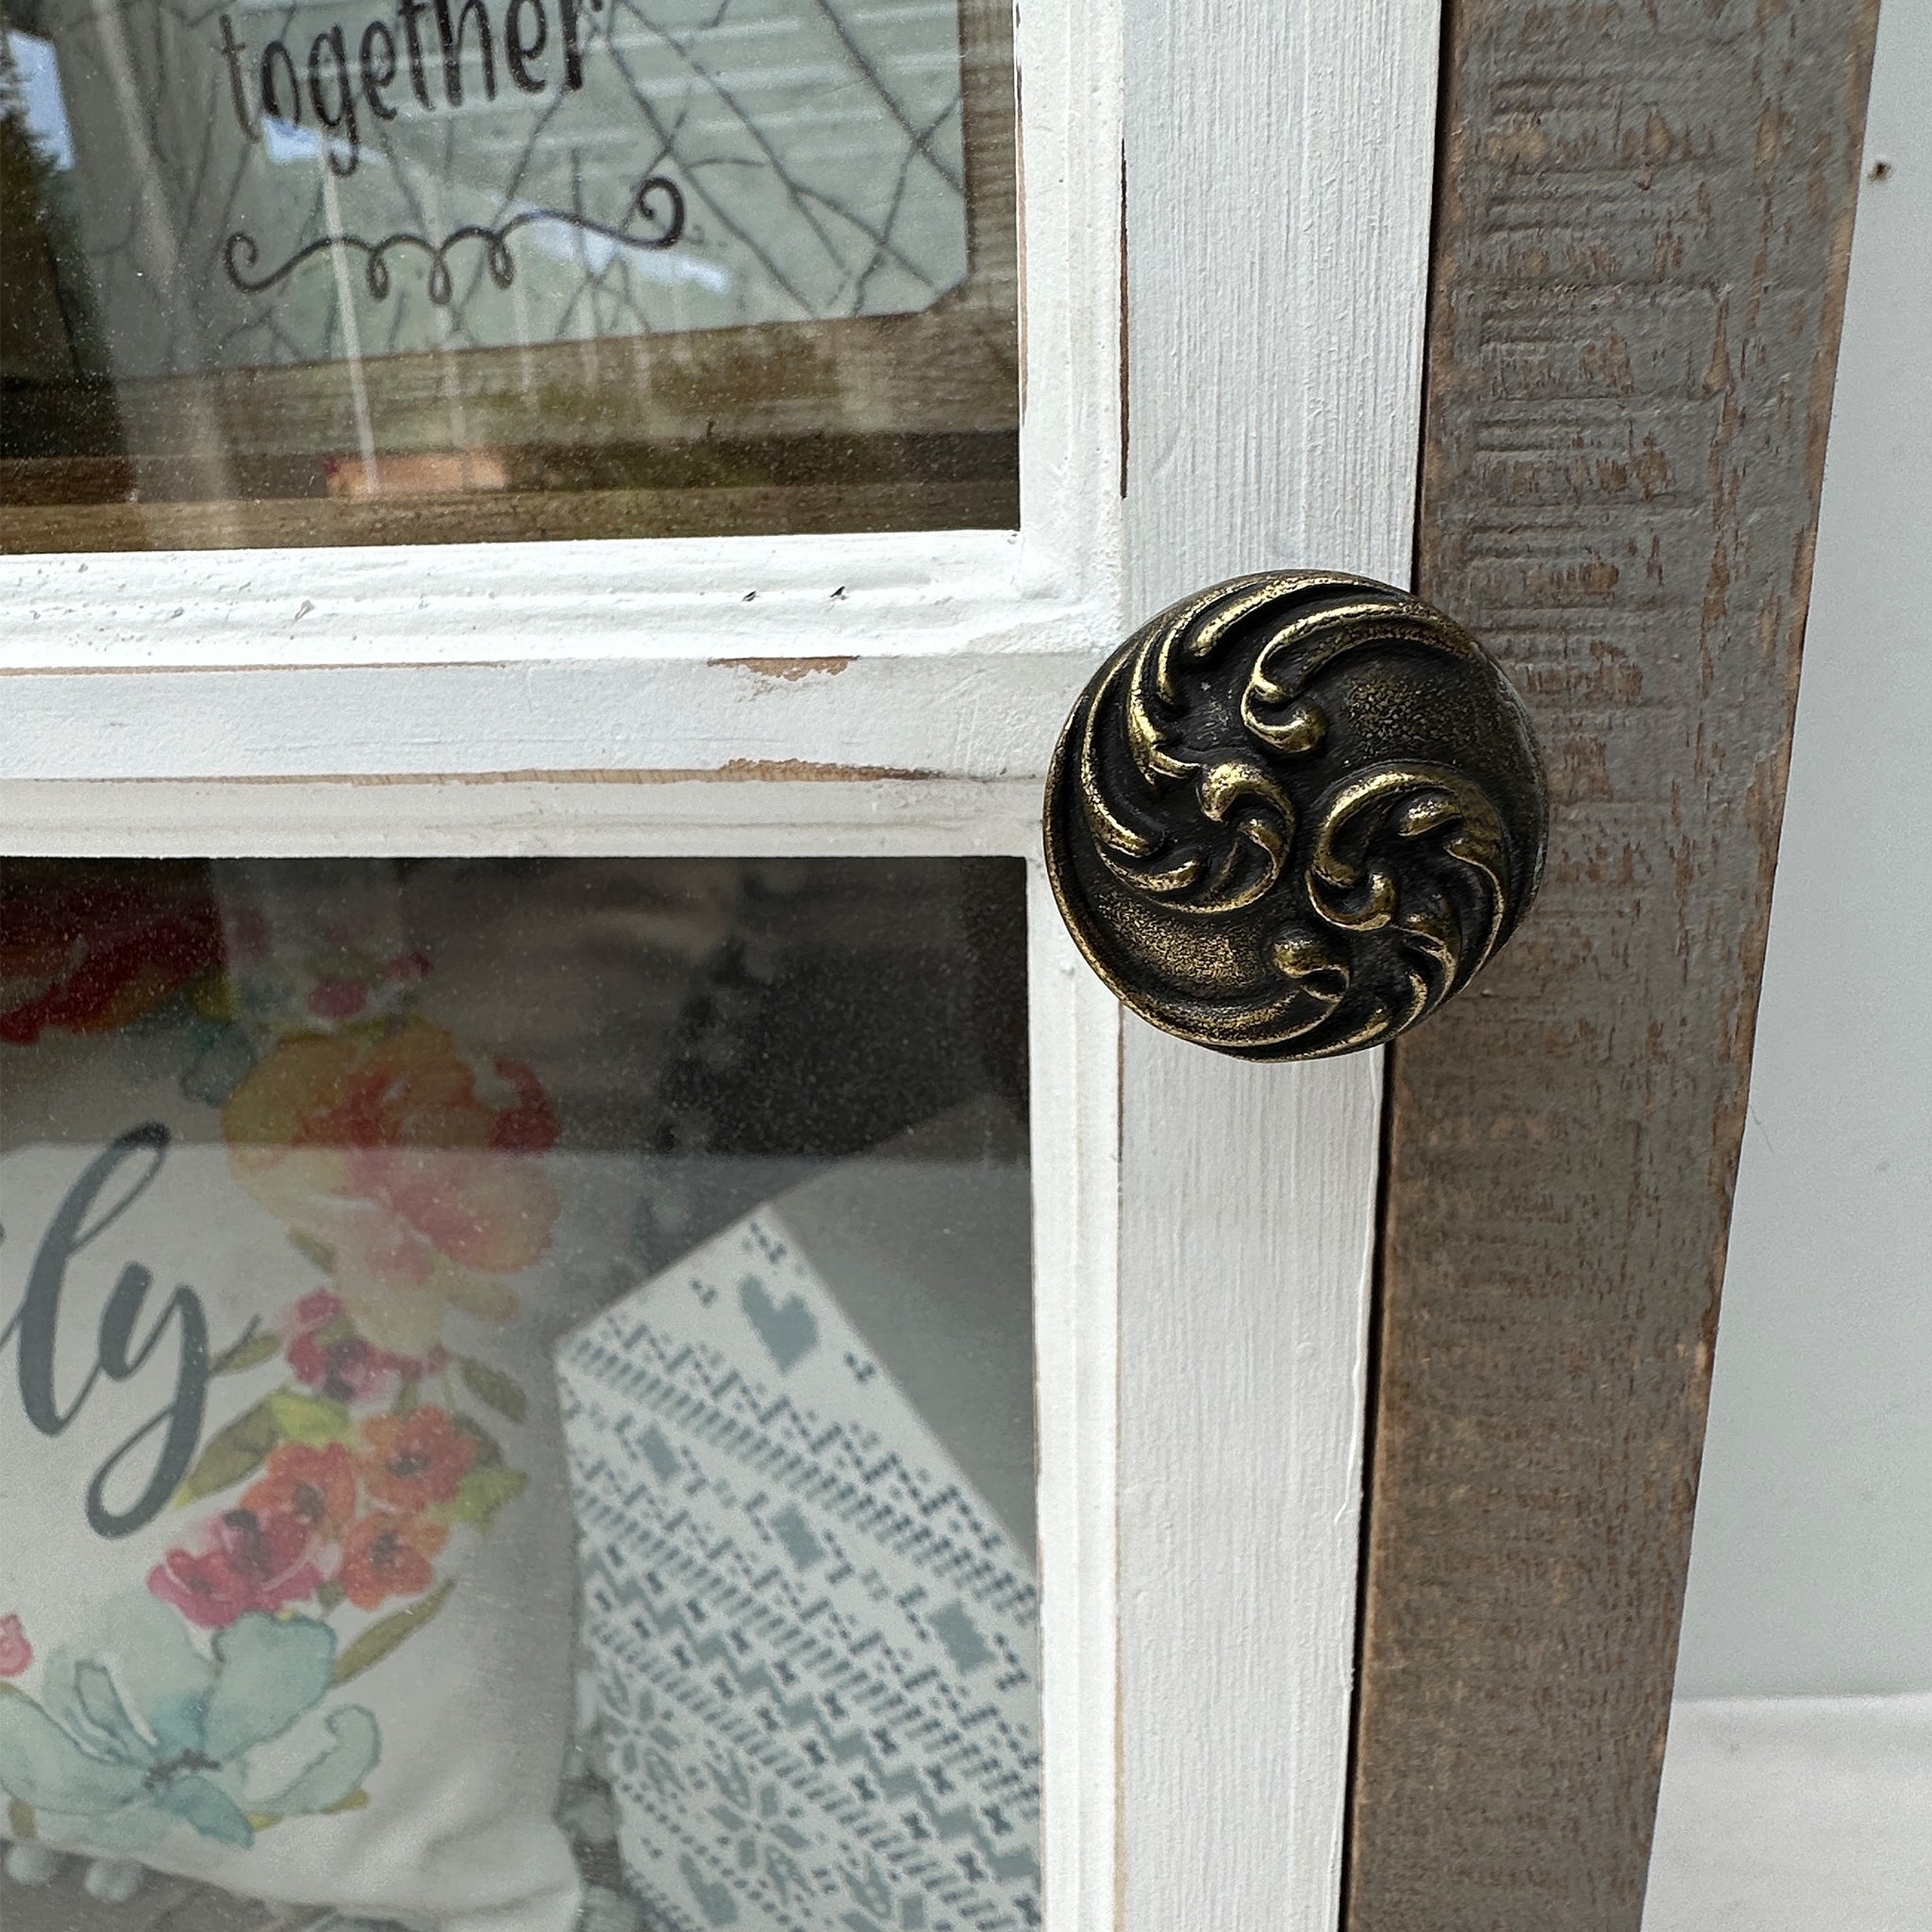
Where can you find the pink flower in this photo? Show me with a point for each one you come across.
(337, 999)
(16, 1652)
(345, 1369)
(328, 1356)
(315, 1309)
(247, 1562)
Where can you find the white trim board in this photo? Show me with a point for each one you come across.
(521, 602)
(1074, 1034)
(1280, 187)
(964, 714)
(547, 817)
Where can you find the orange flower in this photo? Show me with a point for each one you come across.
(386, 1556)
(381, 1149)
(315, 1486)
(416, 1460)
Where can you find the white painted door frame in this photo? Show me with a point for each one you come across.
(1280, 179)
(1237, 388)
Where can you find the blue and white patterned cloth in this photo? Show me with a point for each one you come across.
(816, 1643)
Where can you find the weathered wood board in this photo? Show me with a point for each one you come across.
(1644, 225)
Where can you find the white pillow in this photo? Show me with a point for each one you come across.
(804, 1459)
(286, 1594)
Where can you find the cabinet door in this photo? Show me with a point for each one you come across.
(326, 550)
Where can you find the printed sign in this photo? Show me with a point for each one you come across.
(343, 178)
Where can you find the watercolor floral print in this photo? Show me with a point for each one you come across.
(125, 1753)
(16, 1652)
(374, 1145)
(323, 1527)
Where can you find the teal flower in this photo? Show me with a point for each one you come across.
(137, 1733)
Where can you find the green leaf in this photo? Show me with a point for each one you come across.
(489, 1450)
(19, 1820)
(493, 1387)
(383, 1636)
(233, 1455)
(313, 1421)
(312, 1250)
(330, 1596)
(250, 1352)
(409, 1400)
(358, 1800)
(484, 1491)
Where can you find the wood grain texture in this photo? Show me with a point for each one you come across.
(1644, 225)
(520, 516)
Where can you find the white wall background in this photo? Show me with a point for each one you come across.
(1797, 1785)
(1811, 1570)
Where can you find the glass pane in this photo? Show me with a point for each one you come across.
(516, 1398)
(438, 270)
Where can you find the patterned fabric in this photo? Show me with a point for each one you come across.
(41, 1891)
(275, 1393)
(725, 1020)
(816, 1643)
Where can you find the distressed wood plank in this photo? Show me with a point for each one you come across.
(705, 509)
(1644, 220)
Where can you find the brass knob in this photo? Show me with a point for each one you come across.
(1294, 814)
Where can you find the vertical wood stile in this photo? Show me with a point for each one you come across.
(1277, 210)
(1644, 225)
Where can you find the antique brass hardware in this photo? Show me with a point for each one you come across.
(1294, 814)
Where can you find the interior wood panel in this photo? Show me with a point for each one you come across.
(1644, 225)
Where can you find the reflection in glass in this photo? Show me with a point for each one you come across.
(379, 1236)
(755, 258)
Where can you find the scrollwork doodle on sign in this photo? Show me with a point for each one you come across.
(657, 199)
(1294, 814)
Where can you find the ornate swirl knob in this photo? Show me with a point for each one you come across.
(1294, 814)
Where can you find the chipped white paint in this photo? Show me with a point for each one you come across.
(1075, 1075)
(1280, 173)
(961, 713)
(656, 598)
